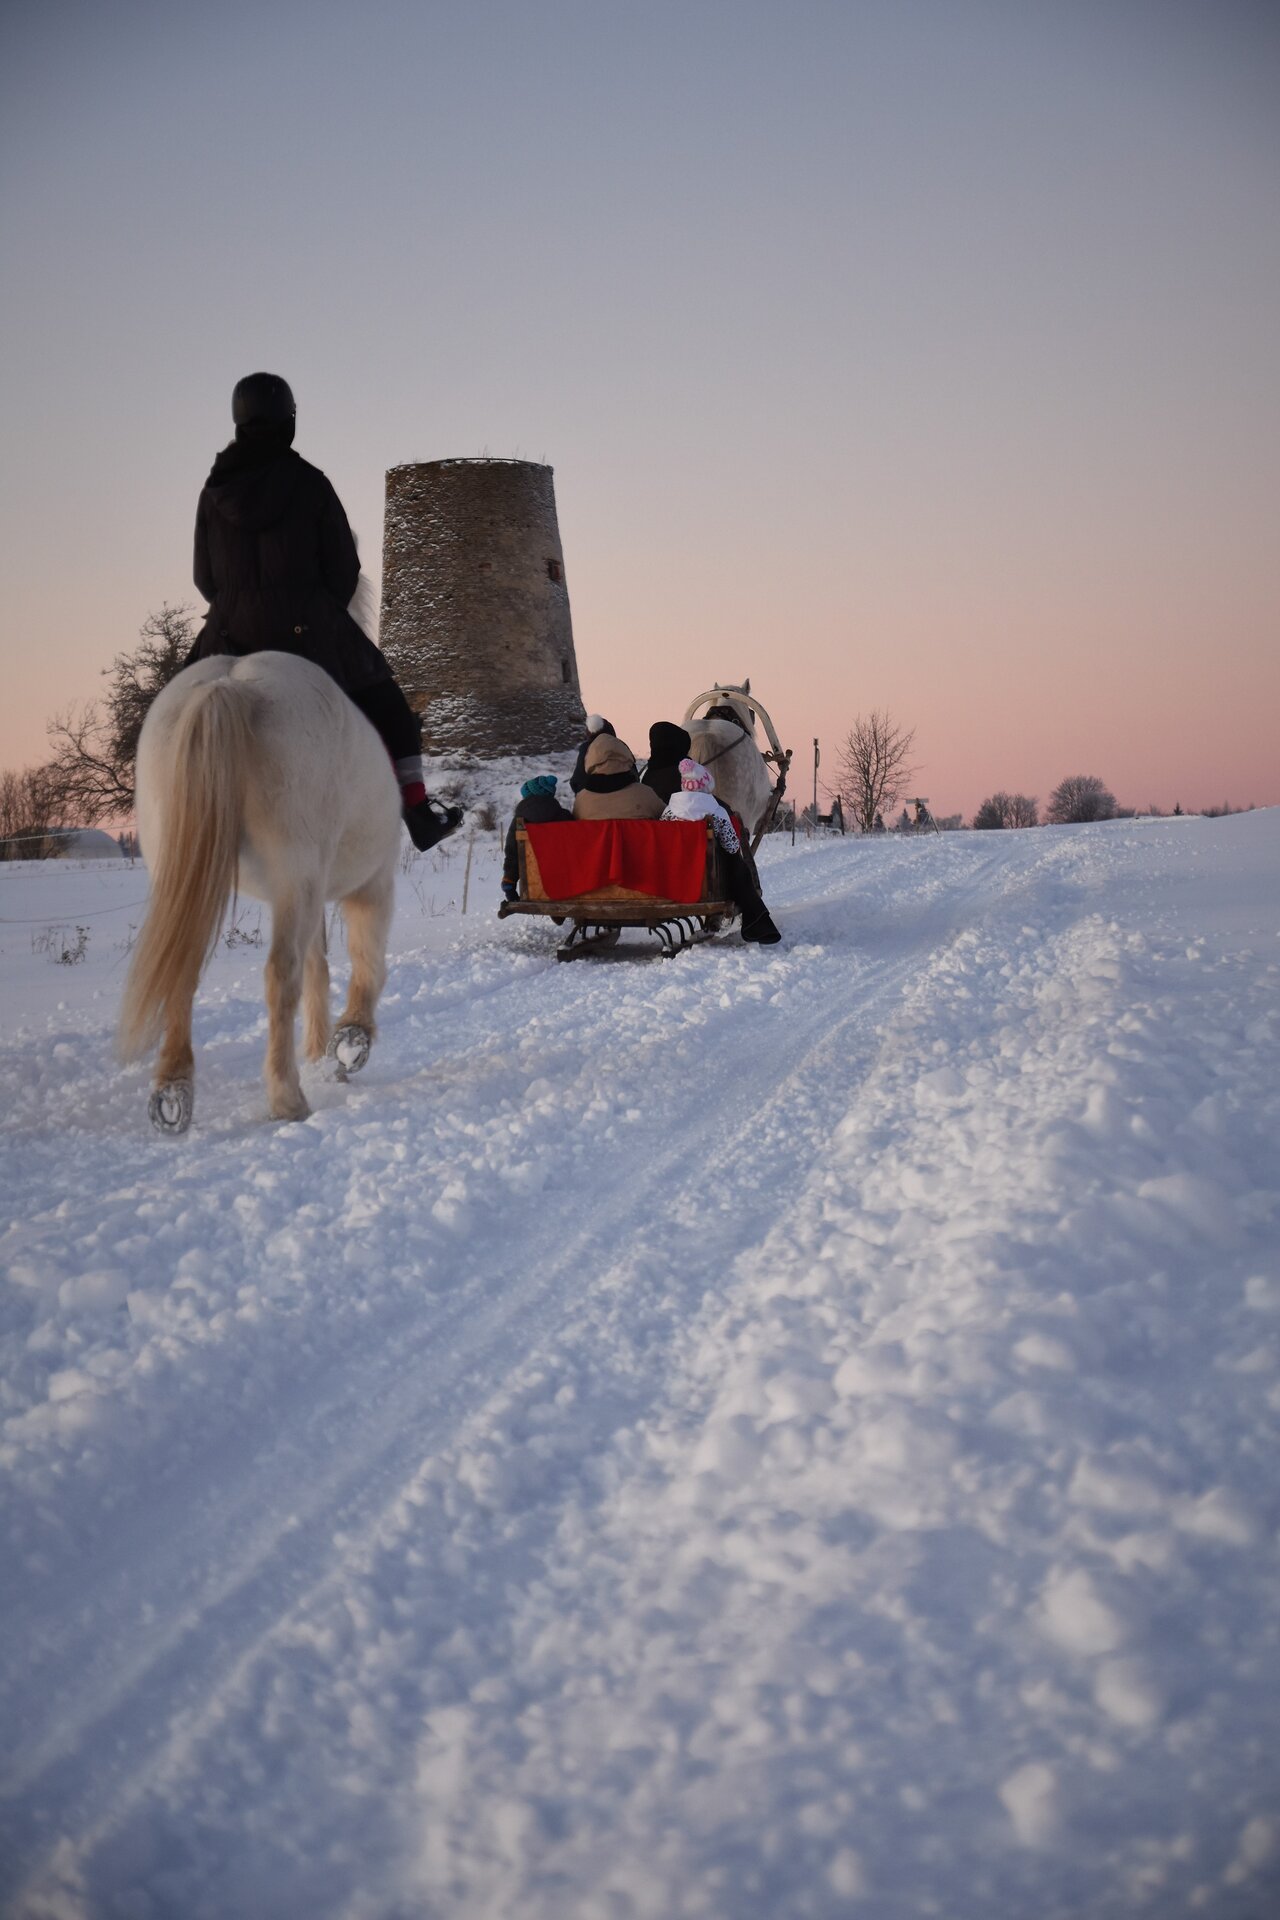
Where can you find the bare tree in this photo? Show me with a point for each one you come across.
(1007, 810)
(27, 815)
(95, 746)
(1081, 797)
(875, 765)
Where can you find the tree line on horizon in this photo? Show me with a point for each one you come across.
(876, 769)
(90, 773)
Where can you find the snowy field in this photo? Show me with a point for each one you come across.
(772, 1433)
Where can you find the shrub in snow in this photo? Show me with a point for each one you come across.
(1007, 810)
(1080, 797)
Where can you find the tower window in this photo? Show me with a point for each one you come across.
(555, 571)
(564, 671)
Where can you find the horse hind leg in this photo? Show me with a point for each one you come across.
(367, 913)
(293, 932)
(173, 1093)
(315, 997)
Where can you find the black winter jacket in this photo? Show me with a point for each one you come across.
(539, 807)
(276, 560)
(668, 746)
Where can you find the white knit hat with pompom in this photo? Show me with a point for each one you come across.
(695, 778)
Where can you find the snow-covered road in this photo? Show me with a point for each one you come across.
(740, 1436)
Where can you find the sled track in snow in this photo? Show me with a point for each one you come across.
(191, 1588)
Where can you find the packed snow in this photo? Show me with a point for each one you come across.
(772, 1433)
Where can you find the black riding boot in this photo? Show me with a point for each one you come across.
(430, 821)
(758, 925)
(756, 922)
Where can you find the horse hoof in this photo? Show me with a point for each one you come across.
(169, 1108)
(350, 1048)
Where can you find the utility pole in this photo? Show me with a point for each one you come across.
(816, 757)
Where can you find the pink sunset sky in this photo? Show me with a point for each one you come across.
(906, 354)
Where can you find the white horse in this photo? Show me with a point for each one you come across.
(728, 749)
(258, 774)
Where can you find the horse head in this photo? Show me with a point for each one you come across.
(733, 702)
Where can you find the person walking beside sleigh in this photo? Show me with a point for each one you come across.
(696, 801)
(276, 560)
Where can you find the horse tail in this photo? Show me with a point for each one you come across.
(203, 775)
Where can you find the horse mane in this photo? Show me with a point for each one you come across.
(363, 608)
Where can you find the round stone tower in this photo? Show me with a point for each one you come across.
(475, 609)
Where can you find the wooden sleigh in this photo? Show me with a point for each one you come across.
(671, 859)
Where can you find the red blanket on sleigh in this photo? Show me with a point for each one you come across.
(665, 858)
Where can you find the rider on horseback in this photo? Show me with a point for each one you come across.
(276, 560)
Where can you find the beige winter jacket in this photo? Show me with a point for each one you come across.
(612, 789)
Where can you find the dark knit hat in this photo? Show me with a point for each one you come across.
(541, 783)
(668, 743)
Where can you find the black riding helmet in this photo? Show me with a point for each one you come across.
(263, 404)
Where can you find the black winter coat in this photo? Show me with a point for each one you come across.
(668, 746)
(539, 807)
(276, 560)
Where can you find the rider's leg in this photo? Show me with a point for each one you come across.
(385, 707)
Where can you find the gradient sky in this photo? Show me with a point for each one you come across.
(919, 354)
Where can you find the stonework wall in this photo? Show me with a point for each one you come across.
(475, 606)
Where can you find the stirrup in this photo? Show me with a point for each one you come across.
(429, 823)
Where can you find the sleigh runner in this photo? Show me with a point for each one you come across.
(665, 876)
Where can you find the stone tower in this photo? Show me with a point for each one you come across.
(475, 609)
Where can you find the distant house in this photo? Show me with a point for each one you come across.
(84, 843)
(833, 821)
